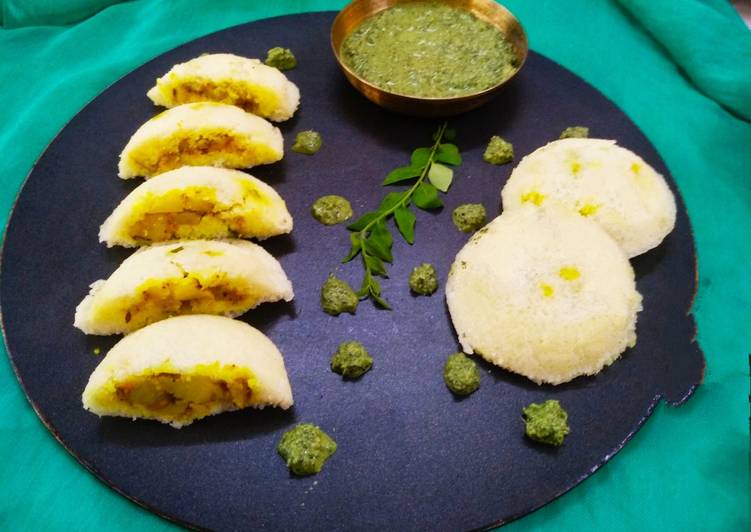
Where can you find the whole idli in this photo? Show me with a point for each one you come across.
(545, 293)
(601, 181)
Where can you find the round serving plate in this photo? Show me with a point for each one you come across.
(410, 456)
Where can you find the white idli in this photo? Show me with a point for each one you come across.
(601, 181)
(186, 368)
(544, 293)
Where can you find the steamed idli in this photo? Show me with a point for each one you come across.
(186, 368)
(231, 79)
(195, 202)
(192, 277)
(544, 293)
(200, 134)
(601, 181)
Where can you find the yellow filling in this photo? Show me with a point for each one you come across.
(547, 290)
(156, 300)
(576, 167)
(194, 213)
(636, 168)
(254, 99)
(569, 273)
(588, 209)
(180, 396)
(533, 197)
(208, 147)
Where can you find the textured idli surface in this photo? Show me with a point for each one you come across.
(200, 134)
(188, 367)
(544, 293)
(231, 79)
(224, 278)
(601, 181)
(197, 202)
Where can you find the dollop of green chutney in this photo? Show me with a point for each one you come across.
(351, 360)
(331, 209)
(546, 422)
(499, 151)
(461, 374)
(469, 217)
(281, 58)
(306, 448)
(424, 279)
(337, 297)
(423, 49)
(307, 142)
(575, 132)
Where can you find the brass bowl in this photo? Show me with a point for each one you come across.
(489, 11)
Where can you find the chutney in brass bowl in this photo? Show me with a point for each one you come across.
(414, 75)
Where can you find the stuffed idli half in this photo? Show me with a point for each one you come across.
(186, 368)
(225, 278)
(544, 293)
(197, 202)
(601, 181)
(200, 134)
(231, 79)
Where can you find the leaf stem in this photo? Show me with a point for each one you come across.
(408, 193)
(367, 288)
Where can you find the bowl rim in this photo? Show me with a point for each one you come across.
(434, 99)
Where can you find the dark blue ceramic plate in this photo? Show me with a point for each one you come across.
(410, 455)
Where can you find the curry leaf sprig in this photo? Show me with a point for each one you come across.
(370, 234)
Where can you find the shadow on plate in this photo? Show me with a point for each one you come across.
(385, 127)
(268, 314)
(229, 426)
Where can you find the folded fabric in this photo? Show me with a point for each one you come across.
(708, 40)
(18, 13)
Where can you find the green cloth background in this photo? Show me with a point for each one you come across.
(687, 469)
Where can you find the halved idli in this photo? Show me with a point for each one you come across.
(231, 79)
(601, 181)
(200, 134)
(186, 368)
(196, 202)
(544, 293)
(192, 277)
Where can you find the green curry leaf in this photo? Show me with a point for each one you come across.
(405, 222)
(426, 197)
(363, 221)
(403, 173)
(370, 236)
(440, 176)
(449, 154)
(421, 157)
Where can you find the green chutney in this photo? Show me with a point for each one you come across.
(351, 360)
(331, 209)
(429, 49)
(337, 297)
(546, 422)
(305, 449)
(461, 374)
(281, 58)
(423, 280)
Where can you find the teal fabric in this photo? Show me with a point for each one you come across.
(17, 13)
(687, 469)
(708, 40)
